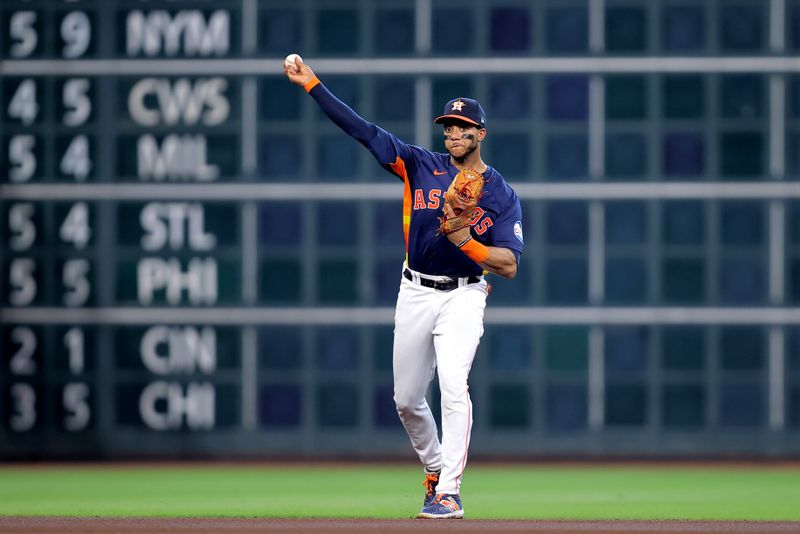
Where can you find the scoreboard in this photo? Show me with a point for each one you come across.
(195, 261)
(105, 219)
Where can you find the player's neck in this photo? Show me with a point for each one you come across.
(472, 161)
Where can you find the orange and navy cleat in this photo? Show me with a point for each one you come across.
(444, 506)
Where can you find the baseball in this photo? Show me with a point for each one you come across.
(289, 61)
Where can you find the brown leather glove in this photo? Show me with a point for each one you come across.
(463, 195)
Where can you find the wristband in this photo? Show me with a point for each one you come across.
(464, 242)
(476, 251)
(309, 85)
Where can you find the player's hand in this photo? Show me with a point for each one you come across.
(299, 73)
(459, 235)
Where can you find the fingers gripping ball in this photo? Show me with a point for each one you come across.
(462, 196)
(289, 62)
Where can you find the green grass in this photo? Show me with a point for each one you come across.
(507, 492)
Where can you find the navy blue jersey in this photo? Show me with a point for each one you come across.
(426, 176)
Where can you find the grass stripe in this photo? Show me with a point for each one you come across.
(489, 492)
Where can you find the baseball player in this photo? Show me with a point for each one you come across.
(460, 220)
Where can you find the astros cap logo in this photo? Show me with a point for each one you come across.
(464, 109)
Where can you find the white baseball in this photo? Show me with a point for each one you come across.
(289, 61)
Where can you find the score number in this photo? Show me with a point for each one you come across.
(24, 27)
(74, 230)
(27, 221)
(75, 31)
(24, 413)
(23, 107)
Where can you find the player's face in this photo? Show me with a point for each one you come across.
(462, 138)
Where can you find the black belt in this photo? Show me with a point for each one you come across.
(441, 286)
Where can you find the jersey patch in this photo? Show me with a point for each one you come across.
(518, 231)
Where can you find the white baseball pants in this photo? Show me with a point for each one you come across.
(437, 329)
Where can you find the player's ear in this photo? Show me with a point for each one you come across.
(481, 134)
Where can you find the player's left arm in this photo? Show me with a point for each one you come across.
(498, 260)
(501, 261)
(502, 257)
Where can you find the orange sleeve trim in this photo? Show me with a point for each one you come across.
(310, 84)
(477, 252)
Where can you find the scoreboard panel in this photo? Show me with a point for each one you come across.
(69, 389)
(194, 261)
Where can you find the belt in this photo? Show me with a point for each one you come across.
(449, 285)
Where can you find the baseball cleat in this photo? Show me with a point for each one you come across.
(444, 506)
(431, 481)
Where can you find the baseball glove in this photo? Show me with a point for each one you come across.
(463, 195)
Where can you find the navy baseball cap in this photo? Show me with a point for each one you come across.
(465, 109)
